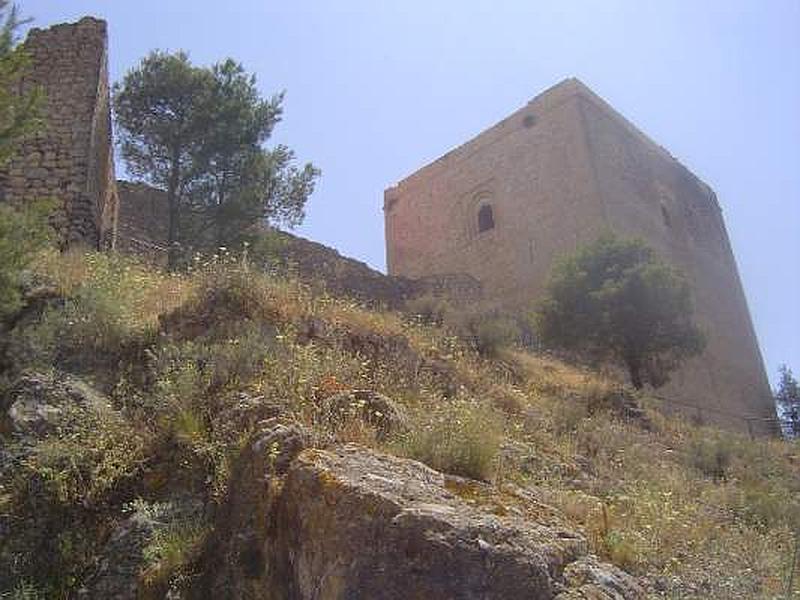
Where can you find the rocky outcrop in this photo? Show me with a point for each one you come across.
(234, 560)
(36, 403)
(353, 523)
(373, 408)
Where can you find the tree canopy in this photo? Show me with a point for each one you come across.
(200, 134)
(614, 299)
(19, 112)
(23, 230)
(787, 397)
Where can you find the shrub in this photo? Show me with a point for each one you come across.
(490, 333)
(711, 454)
(198, 367)
(462, 438)
(24, 590)
(227, 291)
(23, 232)
(615, 299)
(428, 308)
(176, 539)
(487, 331)
(108, 313)
(568, 413)
(94, 450)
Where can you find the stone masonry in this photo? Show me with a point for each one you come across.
(555, 174)
(70, 159)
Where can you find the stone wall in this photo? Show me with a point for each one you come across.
(71, 158)
(143, 219)
(557, 173)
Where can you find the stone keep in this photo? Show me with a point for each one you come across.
(554, 175)
(70, 159)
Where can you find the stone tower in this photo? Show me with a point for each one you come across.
(70, 159)
(554, 175)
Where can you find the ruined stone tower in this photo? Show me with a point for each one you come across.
(70, 159)
(554, 175)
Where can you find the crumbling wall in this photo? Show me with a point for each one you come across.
(70, 159)
(143, 221)
(143, 225)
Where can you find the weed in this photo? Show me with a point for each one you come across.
(462, 438)
(711, 454)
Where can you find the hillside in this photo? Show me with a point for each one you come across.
(232, 433)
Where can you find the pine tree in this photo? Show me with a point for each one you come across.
(160, 109)
(23, 229)
(199, 133)
(787, 397)
(19, 112)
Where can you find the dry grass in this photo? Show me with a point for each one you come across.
(708, 514)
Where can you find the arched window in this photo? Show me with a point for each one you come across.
(485, 218)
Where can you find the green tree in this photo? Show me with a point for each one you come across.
(240, 183)
(788, 398)
(161, 107)
(23, 230)
(19, 112)
(199, 133)
(615, 300)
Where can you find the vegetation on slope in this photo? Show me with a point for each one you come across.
(179, 369)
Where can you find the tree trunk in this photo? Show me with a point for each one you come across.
(635, 370)
(174, 213)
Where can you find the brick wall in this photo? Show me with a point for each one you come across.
(71, 158)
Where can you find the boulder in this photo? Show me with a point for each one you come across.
(353, 523)
(371, 407)
(36, 402)
(233, 561)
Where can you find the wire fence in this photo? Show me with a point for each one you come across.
(700, 413)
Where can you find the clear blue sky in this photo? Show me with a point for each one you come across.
(375, 89)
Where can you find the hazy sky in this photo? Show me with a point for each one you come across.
(376, 89)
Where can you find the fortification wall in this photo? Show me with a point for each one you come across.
(533, 170)
(556, 174)
(70, 159)
(143, 219)
(648, 194)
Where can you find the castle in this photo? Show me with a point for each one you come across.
(555, 174)
(491, 215)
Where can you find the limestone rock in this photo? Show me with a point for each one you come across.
(353, 523)
(589, 579)
(36, 402)
(373, 408)
(234, 557)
